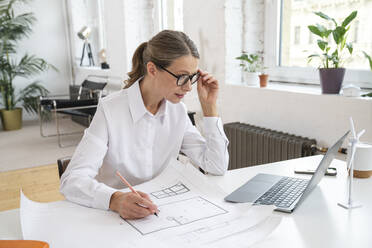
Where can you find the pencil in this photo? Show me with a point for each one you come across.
(130, 186)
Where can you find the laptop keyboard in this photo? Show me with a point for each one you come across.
(284, 192)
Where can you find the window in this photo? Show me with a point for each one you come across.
(311, 38)
(297, 33)
(286, 32)
(356, 31)
(171, 14)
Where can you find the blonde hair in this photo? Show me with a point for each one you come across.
(162, 50)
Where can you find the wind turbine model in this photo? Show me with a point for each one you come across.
(349, 204)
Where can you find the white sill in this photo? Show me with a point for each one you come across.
(93, 69)
(292, 87)
(302, 88)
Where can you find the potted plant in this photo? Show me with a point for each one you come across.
(250, 64)
(332, 59)
(12, 29)
(263, 79)
(263, 76)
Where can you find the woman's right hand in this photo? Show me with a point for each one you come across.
(132, 206)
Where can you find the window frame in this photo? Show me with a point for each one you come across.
(294, 74)
(166, 11)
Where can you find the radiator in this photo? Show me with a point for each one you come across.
(251, 145)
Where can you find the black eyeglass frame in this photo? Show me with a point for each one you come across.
(179, 76)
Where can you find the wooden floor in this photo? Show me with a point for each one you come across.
(38, 183)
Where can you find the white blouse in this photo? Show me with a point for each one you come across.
(124, 136)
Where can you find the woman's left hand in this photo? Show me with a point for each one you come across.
(208, 92)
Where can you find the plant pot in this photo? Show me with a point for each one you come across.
(11, 119)
(251, 78)
(331, 79)
(263, 80)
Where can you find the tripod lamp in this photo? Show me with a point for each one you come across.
(84, 34)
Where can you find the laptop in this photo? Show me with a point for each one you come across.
(285, 193)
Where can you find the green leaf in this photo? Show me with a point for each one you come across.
(253, 57)
(324, 16)
(349, 18)
(368, 58)
(335, 58)
(338, 34)
(29, 96)
(310, 57)
(367, 95)
(315, 30)
(313, 55)
(343, 43)
(327, 33)
(319, 30)
(322, 44)
(243, 57)
(349, 47)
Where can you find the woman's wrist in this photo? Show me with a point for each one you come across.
(114, 201)
(209, 110)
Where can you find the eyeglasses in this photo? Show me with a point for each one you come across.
(184, 78)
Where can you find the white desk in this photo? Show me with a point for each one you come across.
(318, 222)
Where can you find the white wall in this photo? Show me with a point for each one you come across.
(139, 25)
(47, 41)
(322, 117)
(233, 28)
(204, 24)
(115, 37)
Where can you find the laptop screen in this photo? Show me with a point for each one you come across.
(323, 166)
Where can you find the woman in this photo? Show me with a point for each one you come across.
(139, 129)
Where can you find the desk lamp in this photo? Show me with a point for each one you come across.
(84, 34)
(349, 204)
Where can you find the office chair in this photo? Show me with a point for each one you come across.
(83, 105)
(62, 165)
(191, 116)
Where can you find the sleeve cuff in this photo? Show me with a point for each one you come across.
(213, 125)
(103, 196)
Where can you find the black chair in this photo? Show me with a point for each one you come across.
(191, 116)
(83, 105)
(62, 165)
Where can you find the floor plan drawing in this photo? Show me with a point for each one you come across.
(177, 213)
(176, 189)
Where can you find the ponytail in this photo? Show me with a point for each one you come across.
(138, 66)
(162, 50)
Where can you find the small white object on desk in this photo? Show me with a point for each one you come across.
(363, 160)
(351, 90)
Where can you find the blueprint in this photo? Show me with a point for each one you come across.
(176, 189)
(177, 213)
(192, 214)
